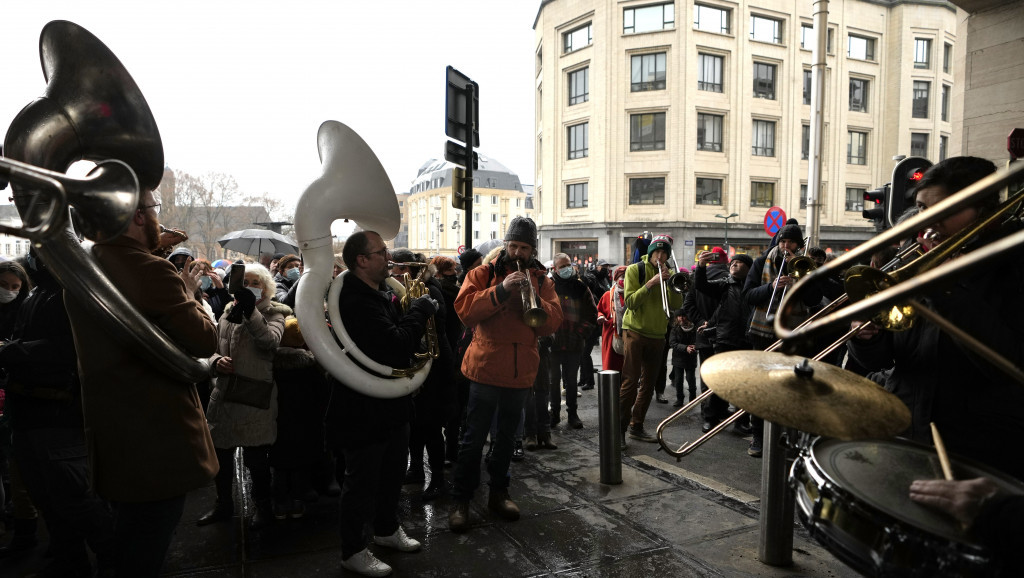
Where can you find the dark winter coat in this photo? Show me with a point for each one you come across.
(732, 317)
(700, 307)
(302, 395)
(579, 315)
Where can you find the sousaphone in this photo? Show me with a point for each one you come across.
(352, 186)
(91, 110)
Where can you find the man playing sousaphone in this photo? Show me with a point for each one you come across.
(501, 362)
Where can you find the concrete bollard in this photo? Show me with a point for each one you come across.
(608, 423)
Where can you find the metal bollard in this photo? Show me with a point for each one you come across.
(608, 424)
(777, 501)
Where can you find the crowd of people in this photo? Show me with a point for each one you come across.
(106, 446)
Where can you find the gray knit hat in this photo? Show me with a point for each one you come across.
(793, 233)
(523, 230)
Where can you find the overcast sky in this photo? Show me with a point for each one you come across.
(241, 87)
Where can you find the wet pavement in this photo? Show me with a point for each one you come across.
(698, 517)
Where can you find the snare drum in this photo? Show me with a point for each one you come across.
(854, 498)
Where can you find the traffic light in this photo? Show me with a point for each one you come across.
(874, 206)
(905, 177)
(459, 189)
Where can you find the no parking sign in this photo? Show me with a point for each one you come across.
(774, 220)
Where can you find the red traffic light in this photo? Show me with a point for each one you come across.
(916, 176)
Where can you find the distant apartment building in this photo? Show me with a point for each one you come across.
(433, 227)
(11, 246)
(671, 116)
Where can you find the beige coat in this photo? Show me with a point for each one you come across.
(146, 431)
(251, 345)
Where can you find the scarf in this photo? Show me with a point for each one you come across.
(759, 324)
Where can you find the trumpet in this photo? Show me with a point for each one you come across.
(533, 314)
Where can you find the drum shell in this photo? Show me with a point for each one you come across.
(880, 542)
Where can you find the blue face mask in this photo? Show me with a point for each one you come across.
(257, 291)
(292, 274)
(566, 272)
(205, 282)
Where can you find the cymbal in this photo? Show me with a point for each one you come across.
(817, 398)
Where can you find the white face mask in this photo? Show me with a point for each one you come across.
(292, 274)
(205, 282)
(7, 296)
(257, 291)
(566, 272)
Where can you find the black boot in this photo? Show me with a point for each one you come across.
(221, 512)
(574, 419)
(264, 515)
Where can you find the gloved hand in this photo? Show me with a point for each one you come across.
(246, 301)
(425, 303)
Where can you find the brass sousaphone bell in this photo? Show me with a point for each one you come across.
(91, 110)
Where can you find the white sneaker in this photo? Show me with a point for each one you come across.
(398, 541)
(366, 564)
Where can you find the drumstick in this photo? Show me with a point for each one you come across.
(940, 447)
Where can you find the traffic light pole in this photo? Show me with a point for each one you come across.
(468, 216)
(817, 122)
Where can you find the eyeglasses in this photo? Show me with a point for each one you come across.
(383, 253)
(155, 207)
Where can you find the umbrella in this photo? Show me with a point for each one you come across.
(256, 241)
(488, 245)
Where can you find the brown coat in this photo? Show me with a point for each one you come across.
(146, 431)
(504, 349)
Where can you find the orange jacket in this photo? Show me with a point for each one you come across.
(504, 349)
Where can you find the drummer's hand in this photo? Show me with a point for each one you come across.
(961, 499)
(867, 333)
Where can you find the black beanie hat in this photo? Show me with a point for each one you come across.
(742, 258)
(523, 230)
(793, 233)
(468, 257)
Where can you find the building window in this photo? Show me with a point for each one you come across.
(649, 191)
(577, 38)
(807, 38)
(762, 194)
(648, 72)
(945, 103)
(476, 234)
(922, 53)
(494, 218)
(764, 29)
(764, 80)
(920, 106)
(919, 144)
(648, 18)
(709, 72)
(494, 199)
(579, 86)
(807, 87)
(709, 191)
(943, 147)
(764, 138)
(858, 95)
(647, 132)
(805, 142)
(947, 57)
(856, 148)
(854, 199)
(803, 196)
(576, 196)
(709, 132)
(860, 47)
(579, 140)
(476, 217)
(711, 19)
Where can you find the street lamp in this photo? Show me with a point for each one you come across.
(727, 225)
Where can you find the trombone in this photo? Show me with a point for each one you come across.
(836, 303)
(893, 299)
(533, 314)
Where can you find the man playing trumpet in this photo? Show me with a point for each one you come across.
(501, 362)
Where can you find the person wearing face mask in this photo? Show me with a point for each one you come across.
(579, 318)
(14, 287)
(289, 269)
(245, 359)
(215, 294)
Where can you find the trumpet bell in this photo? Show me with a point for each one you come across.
(535, 317)
(800, 265)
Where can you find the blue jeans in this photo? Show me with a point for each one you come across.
(484, 402)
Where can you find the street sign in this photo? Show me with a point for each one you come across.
(456, 153)
(1015, 143)
(461, 249)
(774, 220)
(457, 95)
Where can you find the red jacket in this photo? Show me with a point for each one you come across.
(504, 349)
